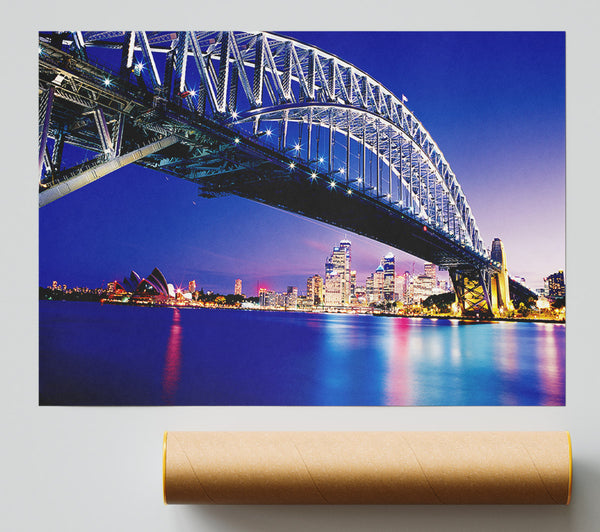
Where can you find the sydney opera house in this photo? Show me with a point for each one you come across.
(151, 289)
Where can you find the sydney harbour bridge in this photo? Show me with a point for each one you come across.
(267, 118)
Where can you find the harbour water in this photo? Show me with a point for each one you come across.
(93, 354)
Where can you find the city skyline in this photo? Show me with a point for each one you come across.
(501, 114)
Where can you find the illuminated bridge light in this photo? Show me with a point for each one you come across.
(332, 184)
(192, 93)
(349, 192)
(297, 147)
(237, 140)
(342, 171)
(107, 82)
(234, 114)
(321, 159)
(359, 180)
(139, 67)
(292, 166)
(268, 132)
(313, 175)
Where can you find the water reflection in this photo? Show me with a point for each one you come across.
(399, 378)
(506, 360)
(551, 365)
(265, 358)
(172, 368)
(335, 380)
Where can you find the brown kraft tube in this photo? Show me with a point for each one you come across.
(367, 468)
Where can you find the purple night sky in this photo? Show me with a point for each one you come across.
(493, 102)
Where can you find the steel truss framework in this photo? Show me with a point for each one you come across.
(247, 110)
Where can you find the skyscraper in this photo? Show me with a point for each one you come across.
(430, 271)
(389, 271)
(192, 287)
(334, 290)
(291, 297)
(400, 287)
(556, 284)
(238, 287)
(352, 286)
(314, 290)
(338, 266)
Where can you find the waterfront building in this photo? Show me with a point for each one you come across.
(361, 295)
(54, 285)
(267, 298)
(314, 290)
(555, 284)
(335, 289)
(318, 290)
(369, 288)
(238, 287)
(378, 280)
(422, 288)
(338, 265)
(374, 285)
(430, 271)
(291, 297)
(389, 274)
(400, 287)
(352, 286)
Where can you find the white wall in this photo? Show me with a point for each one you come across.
(99, 469)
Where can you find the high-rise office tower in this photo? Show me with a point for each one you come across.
(314, 290)
(430, 271)
(334, 290)
(556, 284)
(291, 297)
(192, 287)
(378, 281)
(338, 265)
(389, 273)
(238, 287)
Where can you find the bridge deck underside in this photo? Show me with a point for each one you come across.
(272, 182)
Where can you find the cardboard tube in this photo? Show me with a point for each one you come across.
(367, 467)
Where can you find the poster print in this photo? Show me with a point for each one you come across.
(233, 218)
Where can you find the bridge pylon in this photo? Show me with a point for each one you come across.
(483, 292)
(472, 288)
(500, 292)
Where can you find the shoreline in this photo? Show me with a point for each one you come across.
(355, 312)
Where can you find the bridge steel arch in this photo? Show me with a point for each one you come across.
(265, 117)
